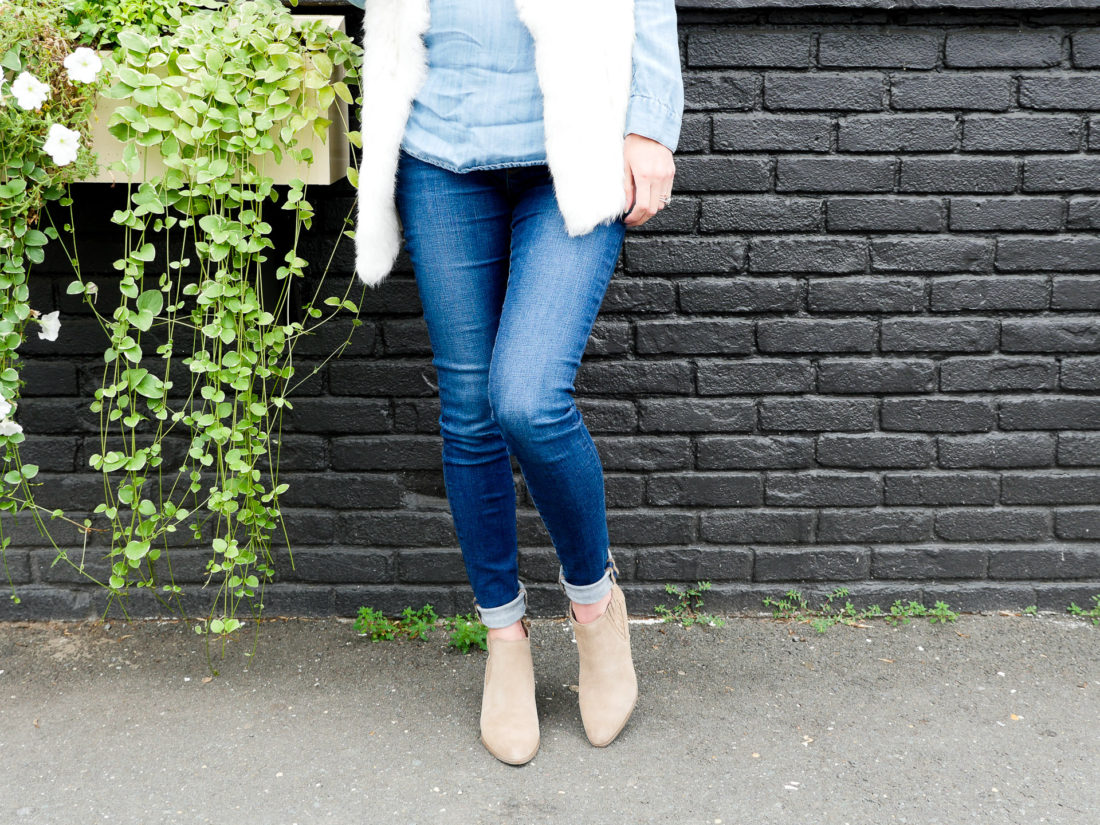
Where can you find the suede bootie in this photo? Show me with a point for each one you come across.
(607, 684)
(509, 719)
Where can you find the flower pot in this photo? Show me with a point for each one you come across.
(330, 156)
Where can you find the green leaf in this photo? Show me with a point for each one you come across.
(151, 300)
(136, 550)
(323, 64)
(12, 188)
(11, 60)
(150, 387)
(147, 253)
(143, 320)
(342, 91)
(133, 40)
(168, 97)
(131, 77)
(146, 97)
(130, 160)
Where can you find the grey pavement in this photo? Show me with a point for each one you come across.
(992, 719)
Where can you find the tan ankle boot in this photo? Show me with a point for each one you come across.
(509, 719)
(608, 685)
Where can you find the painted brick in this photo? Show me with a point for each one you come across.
(997, 374)
(834, 174)
(1060, 91)
(1032, 49)
(874, 450)
(728, 295)
(885, 213)
(939, 334)
(1030, 214)
(860, 345)
(754, 452)
(952, 91)
(990, 293)
(729, 91)
(695, 415)
(1022, 133)
(996, 450)
(760, 213)
(943, 489)
(815, 336)
(896, 133)
(861, 91)
(892, 47)
(875, 375)
(816, 414)
(740, 47)
(807, 254)
(937, 415)
(992, 524)
(753, 377)
(864, 295)
(957, 174)
(762, 132)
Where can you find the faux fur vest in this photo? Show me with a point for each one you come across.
(583, 52)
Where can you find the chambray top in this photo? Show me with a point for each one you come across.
(480, 106)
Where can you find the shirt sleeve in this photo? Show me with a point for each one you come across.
(656, 106)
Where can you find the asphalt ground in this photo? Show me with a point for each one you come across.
(994, 718)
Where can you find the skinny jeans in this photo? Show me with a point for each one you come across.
(509, 301)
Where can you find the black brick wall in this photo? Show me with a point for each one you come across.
(861, 347)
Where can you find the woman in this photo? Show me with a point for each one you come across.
(515, 140)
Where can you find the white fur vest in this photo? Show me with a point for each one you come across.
(583, 52)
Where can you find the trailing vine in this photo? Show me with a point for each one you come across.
(217, 101)
(47, 93)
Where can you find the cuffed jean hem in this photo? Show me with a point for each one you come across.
(590, 593)
(506, 614)
(586, 593)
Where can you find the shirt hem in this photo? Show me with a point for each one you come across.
(482, 168)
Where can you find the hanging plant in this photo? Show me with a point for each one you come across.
(47, 92)
(218, 100)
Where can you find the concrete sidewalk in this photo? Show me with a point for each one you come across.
(992, 719)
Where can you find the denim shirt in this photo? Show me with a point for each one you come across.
(480, 106)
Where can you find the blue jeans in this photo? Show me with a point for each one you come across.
(509, 300)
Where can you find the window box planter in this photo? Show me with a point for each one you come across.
(330, 156)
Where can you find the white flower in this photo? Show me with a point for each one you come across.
(50, 326)
(5, 408)
(9, 427)
(61, 144)
(83, 65)
(29, 91)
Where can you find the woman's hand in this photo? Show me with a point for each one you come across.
(649, 169)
